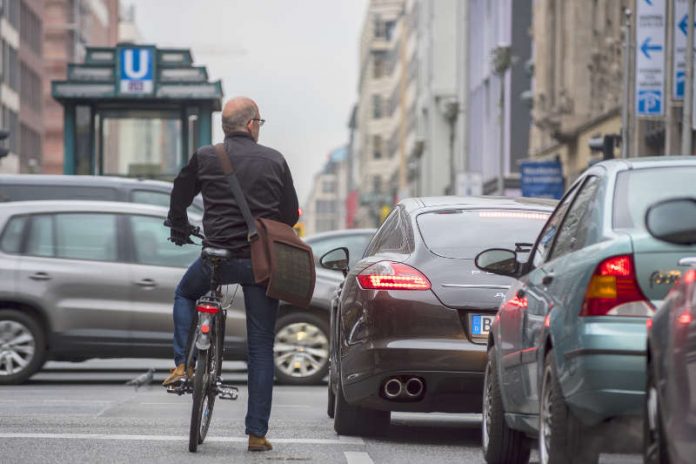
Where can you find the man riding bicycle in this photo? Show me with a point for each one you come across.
(266, 181)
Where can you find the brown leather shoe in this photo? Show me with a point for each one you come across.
(259, 443)
(176, 374)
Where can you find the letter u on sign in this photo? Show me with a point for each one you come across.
(136, 68)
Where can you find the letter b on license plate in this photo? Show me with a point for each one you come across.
(481, 325)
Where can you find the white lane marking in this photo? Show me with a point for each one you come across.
(355, 457)
(168, 404)
(103, 436)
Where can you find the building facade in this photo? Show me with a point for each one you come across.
(498, 68)
(69, 26)
(577, 78)
(325, 209)
(20, 91)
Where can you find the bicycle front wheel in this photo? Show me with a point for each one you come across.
(201, 386)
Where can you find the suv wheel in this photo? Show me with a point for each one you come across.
(560, 432)
(22, 346)
(301, 349)
(501, 444)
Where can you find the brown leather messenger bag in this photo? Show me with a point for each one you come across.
(280, 259)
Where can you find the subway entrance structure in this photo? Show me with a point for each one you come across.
(135, 110)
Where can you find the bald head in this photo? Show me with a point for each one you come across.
(237, 113)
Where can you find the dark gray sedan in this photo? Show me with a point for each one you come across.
(409, 329)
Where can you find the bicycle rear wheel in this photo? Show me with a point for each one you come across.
(200, 398)
(214, 361)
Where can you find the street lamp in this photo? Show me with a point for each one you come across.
(502, 61)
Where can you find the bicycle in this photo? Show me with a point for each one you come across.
(205, 353)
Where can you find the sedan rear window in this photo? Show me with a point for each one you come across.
(637, 189)
(462, 234)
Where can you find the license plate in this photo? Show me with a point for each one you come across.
(481, 324)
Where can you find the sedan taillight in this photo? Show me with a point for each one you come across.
(387, 275)
(614, 290)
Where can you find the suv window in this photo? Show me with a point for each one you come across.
(577, 223)
(11, 241)
(151, 247)
(90, 236)
(548, 234)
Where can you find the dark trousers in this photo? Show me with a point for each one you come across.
(261, 314)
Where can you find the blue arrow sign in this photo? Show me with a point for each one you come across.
(647, 47)
(649, 2)
(682, 24)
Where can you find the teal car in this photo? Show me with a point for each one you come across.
(566, 352)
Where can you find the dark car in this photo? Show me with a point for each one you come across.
(27, 187)
(409, 328)
(567, 351)
(670, 400)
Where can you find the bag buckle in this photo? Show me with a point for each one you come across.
(252, 236)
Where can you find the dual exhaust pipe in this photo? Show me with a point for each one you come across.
(411, 388)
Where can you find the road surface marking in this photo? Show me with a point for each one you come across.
(355, 457)
(106, 436)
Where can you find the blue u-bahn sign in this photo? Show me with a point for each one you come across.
(136, 70)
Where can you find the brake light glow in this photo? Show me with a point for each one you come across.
(207, 308)
(648, 324)
(387, 275)
(684, 318)
(613, 290)
(517, 302)
(513, 215)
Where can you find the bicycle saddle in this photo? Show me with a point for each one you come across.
(221, 253)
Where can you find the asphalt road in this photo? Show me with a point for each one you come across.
(75, 413)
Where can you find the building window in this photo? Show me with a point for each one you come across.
(377, 184)
(377, 147)
(376, 106)
(379, 65)
(328, 186)
(325, 206)
(30, 28)
(389, 27)
(10, 66)
(10, 122)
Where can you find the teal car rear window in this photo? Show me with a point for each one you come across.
(637, 189)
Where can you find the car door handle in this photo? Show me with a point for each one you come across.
(547, 279)
(40, 276)
(146, 283)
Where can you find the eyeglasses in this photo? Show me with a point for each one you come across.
(260, 121)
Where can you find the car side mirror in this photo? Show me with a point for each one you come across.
(336, 260)
(673, 221)
(498, 261)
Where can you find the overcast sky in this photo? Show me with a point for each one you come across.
(297, 58)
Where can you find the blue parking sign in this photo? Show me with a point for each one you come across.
(136, 70)
(650, 102)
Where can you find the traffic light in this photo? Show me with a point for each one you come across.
(4, 151)
(605, 144)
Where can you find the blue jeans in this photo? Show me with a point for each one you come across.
(261, 314)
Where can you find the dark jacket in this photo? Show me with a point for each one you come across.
(264, 177)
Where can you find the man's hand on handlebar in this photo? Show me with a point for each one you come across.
(182, 235)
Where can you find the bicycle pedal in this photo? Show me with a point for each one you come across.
(178, 388)
(227, 392)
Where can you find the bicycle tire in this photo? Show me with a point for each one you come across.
(200, 387)
(211, 393)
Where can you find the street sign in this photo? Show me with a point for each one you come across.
(650, 58)
(542, 179)
(679, 32)
(136, 73)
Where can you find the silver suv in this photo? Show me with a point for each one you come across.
(82, 280)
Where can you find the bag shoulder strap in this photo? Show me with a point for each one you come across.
(239, 197)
